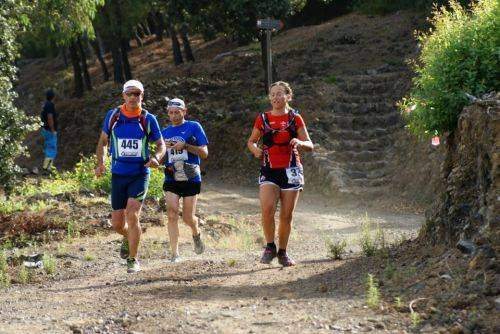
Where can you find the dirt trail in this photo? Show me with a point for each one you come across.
(224, 290)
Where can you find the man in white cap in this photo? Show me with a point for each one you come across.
(186, 144)
(129, 128)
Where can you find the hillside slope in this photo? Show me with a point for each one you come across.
(347, 75)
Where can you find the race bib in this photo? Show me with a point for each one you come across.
(177, 155)
(129, 148)
(294, 175)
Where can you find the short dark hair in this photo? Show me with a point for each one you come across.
(50, 94)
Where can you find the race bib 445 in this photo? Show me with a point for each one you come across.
(129, 148)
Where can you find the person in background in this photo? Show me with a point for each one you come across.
(49, 130)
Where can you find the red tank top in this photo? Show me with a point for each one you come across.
(278, 156)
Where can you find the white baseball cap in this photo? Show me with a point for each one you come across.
(133, 84)
(176, 102)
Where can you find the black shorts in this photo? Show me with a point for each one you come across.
(182, 188)
(284, 178)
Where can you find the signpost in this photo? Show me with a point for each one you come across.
(269, 25)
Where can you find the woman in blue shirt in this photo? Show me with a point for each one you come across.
(186, 143)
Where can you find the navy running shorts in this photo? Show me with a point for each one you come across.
(285, 178)
(124, 187)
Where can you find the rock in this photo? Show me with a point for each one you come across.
(35, 170)
(457, 329)
(75, 329)
(82, 249)
(323, 288)
(466, 246)
(446, 277)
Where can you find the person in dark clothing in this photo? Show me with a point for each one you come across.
(49, 130)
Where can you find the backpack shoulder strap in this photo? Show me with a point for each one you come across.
(143, 120)
(265, 122)
(292, 126)
(115, 115)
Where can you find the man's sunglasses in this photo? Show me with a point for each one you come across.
(133, 94)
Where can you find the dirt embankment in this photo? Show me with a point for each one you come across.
(458, 246)
(469, 209)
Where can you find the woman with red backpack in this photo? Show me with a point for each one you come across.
(281, 178)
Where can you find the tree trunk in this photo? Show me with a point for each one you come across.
(176, 48)
(188, 52)
(99, 55)
(160, 28)
(77, 70)
(151, 24)
(145, 28)
(83, 57)
(64, 56)
(140, 31)
(126, 64)
(138, 39)
(263, 46)
(117, 62)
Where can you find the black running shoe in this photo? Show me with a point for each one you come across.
(268, 255)
(285, 260)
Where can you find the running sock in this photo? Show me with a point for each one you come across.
(271, 245)
(281, 251)
(46, 163)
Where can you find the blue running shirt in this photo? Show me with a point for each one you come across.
(128, 145)
(183, 165)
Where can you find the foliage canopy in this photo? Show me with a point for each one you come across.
(460, 56)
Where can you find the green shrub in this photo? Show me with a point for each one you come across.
(389, 270)
(336, 248)
(459, 57)
(331, 79)
(389, 6)
(4, 274)
(155, 189)
(72, 231)
(49, 264)
(84, 174)
(367, 241)
(372, 292)
(415, 319)
(14, 123)
(23, 275)
(89, 257)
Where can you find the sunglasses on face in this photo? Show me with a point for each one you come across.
(136, 94)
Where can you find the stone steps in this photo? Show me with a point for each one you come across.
(366, 87)
(353, 98)
(356, 122)
(357, 156)
(363, 191)
(371, 108)
(356, 133)
(366, 182)
(375, 144)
